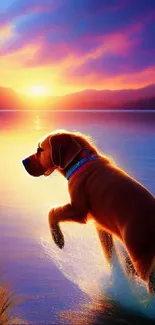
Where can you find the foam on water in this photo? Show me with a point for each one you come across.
(82, 262)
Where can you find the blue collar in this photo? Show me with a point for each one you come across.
(80, 163)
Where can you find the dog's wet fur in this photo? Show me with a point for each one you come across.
(119, 205)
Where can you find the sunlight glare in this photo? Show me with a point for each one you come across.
(38, 91)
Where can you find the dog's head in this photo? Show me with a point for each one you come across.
(55, 151)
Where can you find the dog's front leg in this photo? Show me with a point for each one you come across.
(66, 212)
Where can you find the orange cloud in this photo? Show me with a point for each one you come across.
(122, 81)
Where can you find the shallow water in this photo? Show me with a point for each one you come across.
(52, 280)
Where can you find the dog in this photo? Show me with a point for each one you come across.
(100, 190)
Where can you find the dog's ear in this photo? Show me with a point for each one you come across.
(64, 148)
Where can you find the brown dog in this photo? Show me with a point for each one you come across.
(98, 189)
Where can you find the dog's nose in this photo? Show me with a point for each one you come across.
(25, 161)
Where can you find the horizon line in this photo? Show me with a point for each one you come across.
(80, 111)
(75, 92)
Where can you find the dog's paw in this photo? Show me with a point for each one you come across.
(57, 236)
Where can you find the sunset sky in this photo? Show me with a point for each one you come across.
(62, 46)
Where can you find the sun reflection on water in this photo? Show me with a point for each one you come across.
(37, 123)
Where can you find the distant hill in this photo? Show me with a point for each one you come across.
(142, 98)
(9, 99)
(108, 99)
(113, 95)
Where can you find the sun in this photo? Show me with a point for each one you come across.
(38, 91)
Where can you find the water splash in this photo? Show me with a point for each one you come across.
(83, 263)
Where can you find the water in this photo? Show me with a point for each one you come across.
(54, 281)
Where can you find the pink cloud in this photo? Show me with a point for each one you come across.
(122, 81)
(115, 43)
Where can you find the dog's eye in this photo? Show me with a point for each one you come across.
(39, 150)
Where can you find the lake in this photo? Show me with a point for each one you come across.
(53, 281)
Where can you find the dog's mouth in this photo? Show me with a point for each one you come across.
(33, 166)
(49, 171)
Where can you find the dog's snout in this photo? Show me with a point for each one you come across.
(33, 166)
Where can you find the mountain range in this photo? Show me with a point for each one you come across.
(142, 98)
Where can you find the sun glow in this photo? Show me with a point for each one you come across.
(38, 91)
